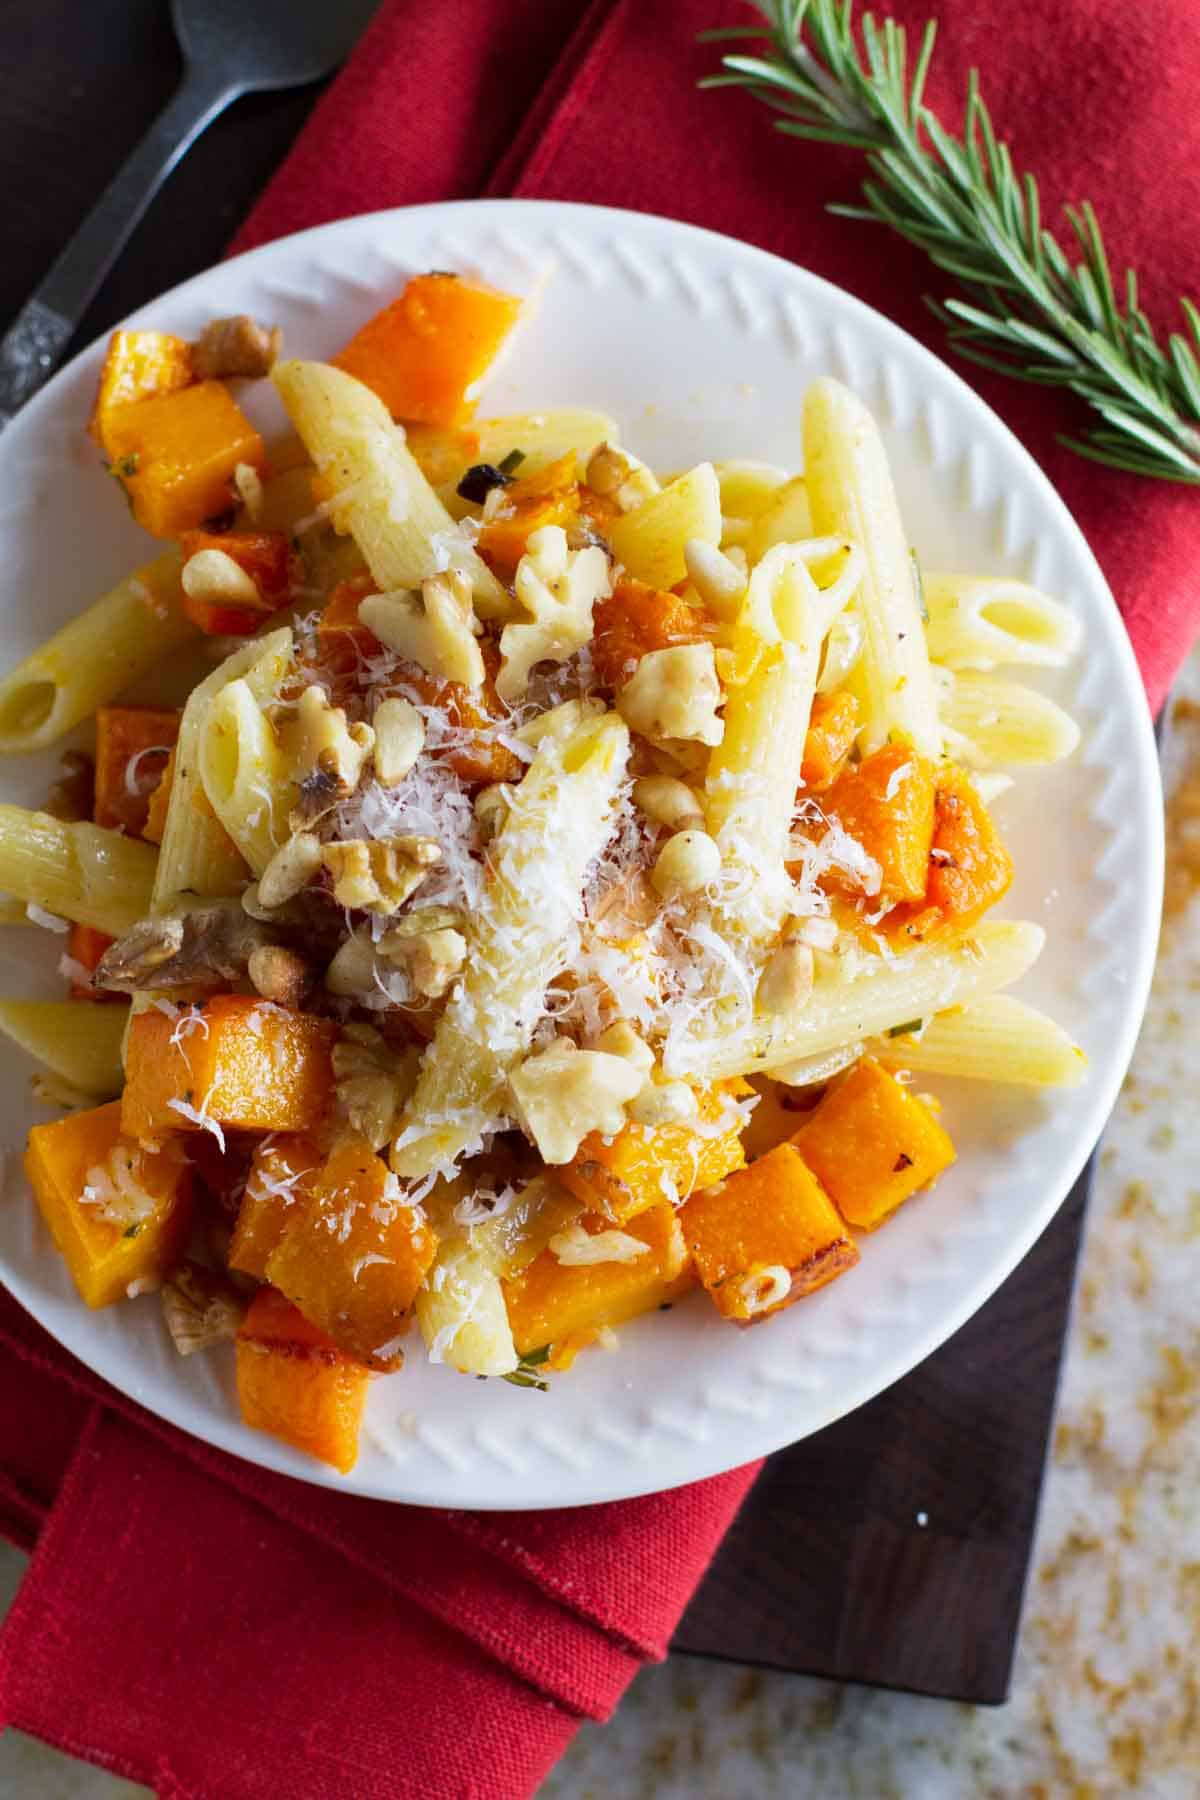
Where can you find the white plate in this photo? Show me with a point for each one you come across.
(701, 347)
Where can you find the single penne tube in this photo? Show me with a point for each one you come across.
(245, 773)
(558, 819)
(378, 493)
(927, 980)
(462, 1315)
(542, 437)
(649, 541)
(786, 519)
(978, 621)
(748, 489)
(81, 871)
(754, 772)
(198, 856)
(998, 1038)
(989, 721)
(111, 644)
(78, 1042)
(851, 494)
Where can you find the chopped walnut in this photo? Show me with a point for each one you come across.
(674, 693)
(379, 877)
(239, 346)
(428, 948)
(279, 974)
(620, 476)
(372, 1082)
(435, 628)
(208, 946)
(73, 796)
(558, 588)
(200, 1308)
(326, 753)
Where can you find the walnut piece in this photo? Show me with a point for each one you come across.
(319, 743)
(239, 346)
(558, 588)
(372, 1082)
(621, 476)
(674, 693)
(426, 946)
(435, 628)
(561, 1094)
(379, 877)
(200, 1308)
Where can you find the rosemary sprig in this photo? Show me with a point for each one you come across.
(1027, 307)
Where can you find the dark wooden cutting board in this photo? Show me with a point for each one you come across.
(827, 1570)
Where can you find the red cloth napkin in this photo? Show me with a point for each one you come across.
(210, 1629)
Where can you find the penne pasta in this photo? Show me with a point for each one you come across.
(379, 494)
(996, 1038)
(925, 980)
(80, 1044)
(786, 519)
(851, 495)
(556, 822)
(977, 621)
(245, 773)
(988, 721)
(649, 540)
(112, 644)
(81, 872)
(198, 856)
(754, 772)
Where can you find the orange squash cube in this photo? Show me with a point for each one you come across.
(425, 350)
(832, 729)
(246, 1064)
(765, 1237)
(282, 1171)
(138, 365)
(86, 946)
(353, 1258)
(81, 1169)
(296, 1385)
(872, 1144)
(175, 455)
(549, 1301)
(133, 746)
(646, 1164)
(636, 619)
(886, 805)
(969, 868)
(549, 496)
(344, 640)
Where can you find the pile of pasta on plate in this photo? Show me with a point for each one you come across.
(554, 878)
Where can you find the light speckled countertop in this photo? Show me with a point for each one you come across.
(1106, 1690)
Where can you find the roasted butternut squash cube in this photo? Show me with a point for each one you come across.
(426, 350)
(765, 1237)
(295, 1384)
(550, 496)
(355, 1254)
(344, 640)
(175, 455)
(550, 1301)
(133, 746)
(118, 1213)
(832, 728)
(886, 805)
(138, 365)
(636, 619)
(871, 1144)
(277, 1190)
(246, 1065)
(646, 1164)
(969, 868)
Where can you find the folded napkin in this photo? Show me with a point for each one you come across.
(214, 1630)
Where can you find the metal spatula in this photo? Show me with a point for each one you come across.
(230, 48)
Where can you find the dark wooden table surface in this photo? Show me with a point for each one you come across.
(828, 1569)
